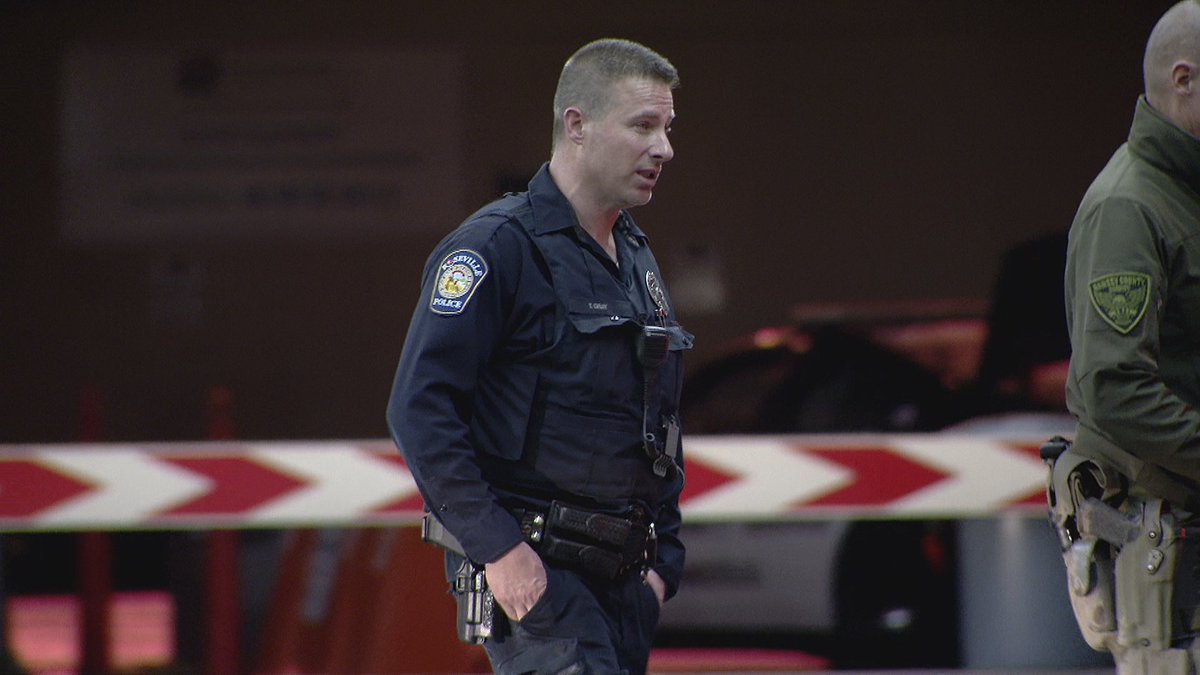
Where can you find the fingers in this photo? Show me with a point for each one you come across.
(521, 606)
(517, 580)
(517, 605)
(657, 584)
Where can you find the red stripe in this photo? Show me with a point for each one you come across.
(880, 477)
(239, 485)
(27, 488)
(702, 478)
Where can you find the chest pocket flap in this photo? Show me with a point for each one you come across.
(589, 316)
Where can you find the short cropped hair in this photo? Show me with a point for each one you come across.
(588, 74)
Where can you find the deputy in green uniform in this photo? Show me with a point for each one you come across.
(1133, 312)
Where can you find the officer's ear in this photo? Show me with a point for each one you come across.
(1183, 73)
(573, 125)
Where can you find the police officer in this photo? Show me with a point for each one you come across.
(1129, 485)
(536, 397)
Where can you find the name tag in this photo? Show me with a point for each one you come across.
(622, 309)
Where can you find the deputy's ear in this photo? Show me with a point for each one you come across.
(1183, 74)
(573, 124)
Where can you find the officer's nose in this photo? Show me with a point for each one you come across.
(662, 150)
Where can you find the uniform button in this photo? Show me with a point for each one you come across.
(444, 508)
(616, 318)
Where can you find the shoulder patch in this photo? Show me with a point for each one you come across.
(1121, 299)
(457, 278)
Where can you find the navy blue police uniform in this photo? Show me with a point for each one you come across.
(519, 387)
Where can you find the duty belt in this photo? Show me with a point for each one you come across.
(599, 543)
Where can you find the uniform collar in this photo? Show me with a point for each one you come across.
(552, 212)
(1156, 140)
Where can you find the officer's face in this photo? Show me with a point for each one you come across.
(626, 147)
(1189, 106)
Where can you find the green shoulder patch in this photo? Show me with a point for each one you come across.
(1121, 299)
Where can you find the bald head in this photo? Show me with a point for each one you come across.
(1174, 44)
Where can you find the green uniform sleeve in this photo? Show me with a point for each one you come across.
(1115, 285)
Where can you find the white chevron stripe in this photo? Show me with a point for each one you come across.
(984, 475)
(131, 485)
(346, 482)
(772, 475)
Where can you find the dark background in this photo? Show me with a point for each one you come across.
(849, 151)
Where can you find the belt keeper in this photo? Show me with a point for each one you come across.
(533, 526)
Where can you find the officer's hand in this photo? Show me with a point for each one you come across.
(517, 580)
(660, 587)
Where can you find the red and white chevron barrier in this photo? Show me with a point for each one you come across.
(283, 484)
(909, 476)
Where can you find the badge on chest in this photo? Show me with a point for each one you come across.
(656, 293)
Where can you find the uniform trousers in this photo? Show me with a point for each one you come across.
(581, 625)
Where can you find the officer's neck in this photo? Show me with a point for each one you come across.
(598, 221)
(603, 234)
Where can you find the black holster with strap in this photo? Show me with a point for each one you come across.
(476, 606)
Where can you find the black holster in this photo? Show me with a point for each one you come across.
(476, 606)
